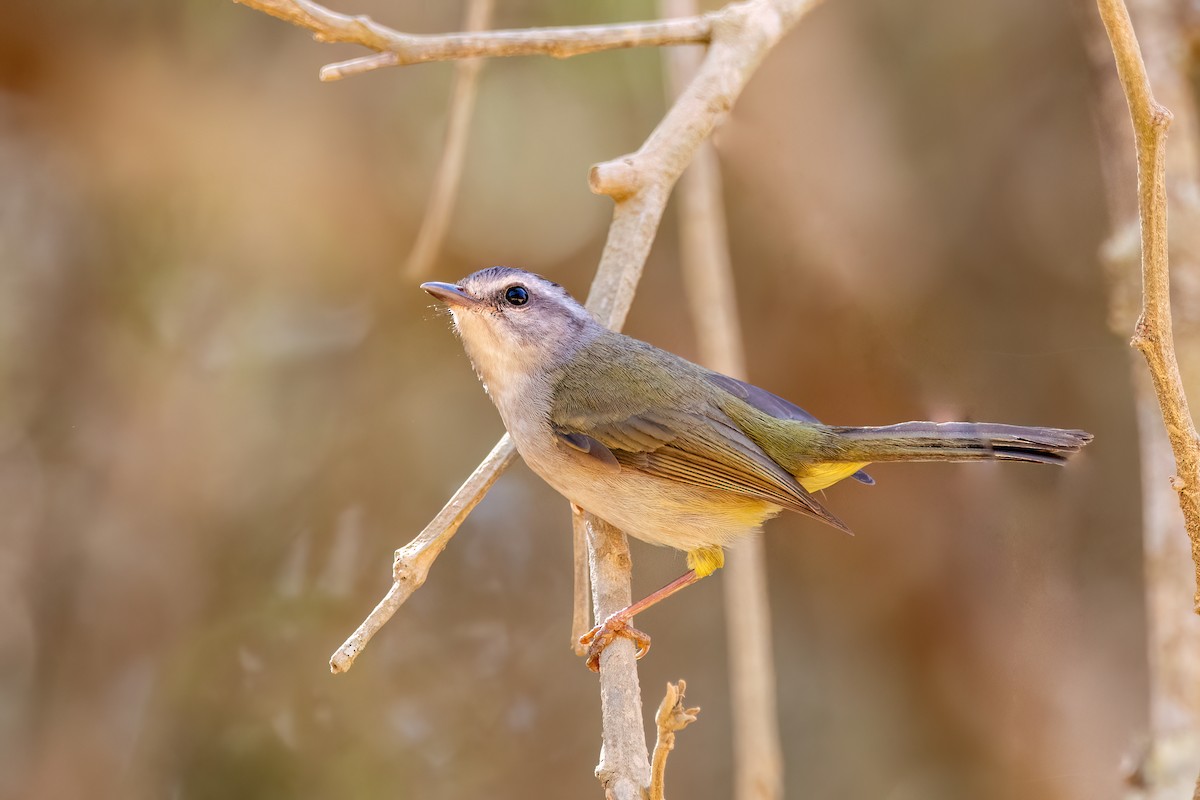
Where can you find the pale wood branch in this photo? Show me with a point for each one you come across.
(712, 299)
(1166, 765)
(742, 35)
(395, 48)
(412, 563)
(1153, 335)
(671, 718)
(449, 172)
(624, 768)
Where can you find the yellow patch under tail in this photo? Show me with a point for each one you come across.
(705, 560)
(821, 476)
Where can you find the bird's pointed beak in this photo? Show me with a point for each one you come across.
(450, 294)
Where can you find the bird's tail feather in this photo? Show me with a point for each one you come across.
(957, 441)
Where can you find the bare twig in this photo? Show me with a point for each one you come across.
(411, 563)
(1167, 763)
(712, 298)
(704, 246)
(1153, 335)
(624, 768)
(742, 35)
(395, 48)
(671, 718)
(458, 122)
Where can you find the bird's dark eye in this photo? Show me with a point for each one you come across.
(516, 295)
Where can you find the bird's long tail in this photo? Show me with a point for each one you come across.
(955, 441)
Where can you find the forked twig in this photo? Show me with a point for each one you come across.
(1153, 335)
(671, 718)
(1166, 765)
(396, 49)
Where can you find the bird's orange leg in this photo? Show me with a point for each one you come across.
(617, 624)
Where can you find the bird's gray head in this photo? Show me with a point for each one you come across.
(513, 322)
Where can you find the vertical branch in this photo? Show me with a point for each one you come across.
(712, 299)
(1153, 335)
(449, 172)
(1169, 765)
(624, 768)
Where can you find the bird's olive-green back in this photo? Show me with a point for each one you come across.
(658, 414)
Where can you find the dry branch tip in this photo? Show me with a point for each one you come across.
(619, 179)
(562, 42)
(672, 715)
(356, 66)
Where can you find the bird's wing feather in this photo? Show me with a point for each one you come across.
(697, 447)
(601, 456)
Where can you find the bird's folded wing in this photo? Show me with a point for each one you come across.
(699, 447)
(772, 405)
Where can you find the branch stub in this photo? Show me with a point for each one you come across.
(619, 178)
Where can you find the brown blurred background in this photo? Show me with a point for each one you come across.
(222, 407)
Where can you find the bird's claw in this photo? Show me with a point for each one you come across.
(603, 635)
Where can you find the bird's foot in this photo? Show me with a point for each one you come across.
(603, 635)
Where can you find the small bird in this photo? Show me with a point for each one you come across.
(668, 451)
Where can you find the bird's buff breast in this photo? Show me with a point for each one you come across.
(655, 510)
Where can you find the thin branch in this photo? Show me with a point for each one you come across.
(458, 123)
(351, 66)
(671, 718)
(624, 768)
(412, 563)
(704, 245)
(742, 35)
(712, 299)
(396, 48)
(1153, 335)
(1164, 765)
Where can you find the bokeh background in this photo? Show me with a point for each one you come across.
(222, 406)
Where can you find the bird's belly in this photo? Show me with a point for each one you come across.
(655, 510)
